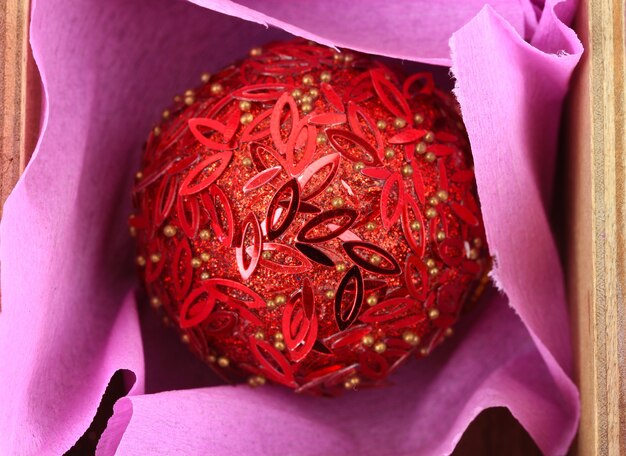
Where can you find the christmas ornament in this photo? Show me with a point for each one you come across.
(309, 218)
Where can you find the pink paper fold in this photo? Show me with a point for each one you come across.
(69, 319)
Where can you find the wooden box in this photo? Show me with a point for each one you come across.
(591, 225)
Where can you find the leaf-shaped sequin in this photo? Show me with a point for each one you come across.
(386, 265)
(315, 254)
(273, 363)
(250, 223)
(464, 214)
(258, 129)
(390, 96)
(274, 227)
(181, 269)
(416, 277)
(345, 217)
(331, 96)
(227, 289)
(260, 179)
(318, 175)
(297, 158)
(294, 261)
(196, 307)
(205, 173)
(328, 118)
(200, 127)
(391, 200)
(418, 84)
(352, 146)
(166, 196)
(415, 235)
(347, 312)
(218, 207)
(276, 120)
(388, 310)
(188, 212)
(300, 335)
(262, 92)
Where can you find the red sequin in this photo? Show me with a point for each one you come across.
(285, 173)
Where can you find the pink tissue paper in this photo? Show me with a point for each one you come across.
(69, 316)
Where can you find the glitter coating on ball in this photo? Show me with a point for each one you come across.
(309, 218)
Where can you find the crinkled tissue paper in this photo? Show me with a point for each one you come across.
(69, 316)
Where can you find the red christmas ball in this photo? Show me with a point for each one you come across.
(310, 218)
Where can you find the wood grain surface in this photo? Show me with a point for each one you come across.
(594, 228)
(595, 255)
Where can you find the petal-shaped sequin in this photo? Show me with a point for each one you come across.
(327, 118)
(418, 84)
(227, 289)
(262, 92)
(387, 265)
(181, 269)
(205, 173)
(300, 337)
(347, 312)
(352, 146)
(416, 277)
(250, 223)
(277, 118)
(293, 261)
(204, 129)
(260, 179)
(291, 192)
(415, 235)
(197, 307)
(464, 214)
(345, 218)
(258, 129)
(408, 135)
(391, 200)
(297, 158)
(273, 363)
(218, 207)
(329, 93)
(390, 96)
(315, 254)
(188, 212)
(387, 310)
(318, 175)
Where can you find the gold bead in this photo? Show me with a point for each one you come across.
(321, 138)
(246, 118)
(418, 118)
(372, 300)
(204, 275)
(189, 93)
(245, 105)
(270, 303)
(307, 79)
(184, 338)
(410, 338)
(478, 242)
(279, 336)
(204, 256)
(260, 380)
(177, 99)
(424, 351)
(430, 157)
(415, 225)
(216, 88)
(157, 130)
(314, 92)
(367, 340)
(338, 57)
(296, 93)
(141, 261)
(433, 201)
(442, 195)
(420, 147)
(473, 254)
(370, 226)
(325, 76)
(169, 231)
(259, 335)
(205, 77)
(222, 361)
(349, 58)
(430, 263)
(246, 161)
(380, 347)
(431, 212)
(138, 175)
(278, 345)
(433, 271)
(307, 99)
(280, 299)
(406, 170)
(205, 235)
(189, 100)
(155, 257)
(256, 51)
(256, 380)
(347, 385)
(155, 302)
(340, 267)
(165, 321)
(390, 153)
(399, 122)
(196, 263)
(375, 259)
(330, 294)
(337, 202)
(133, 231)
(266, 255)
(359, 166)
(211, 358)
(381, 124)
(355, 381)
(433, 314)
(307, 107)
(166, 114)
(429, 137)
(441, 235)
(449, 331)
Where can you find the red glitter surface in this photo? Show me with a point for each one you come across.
(309, 217)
